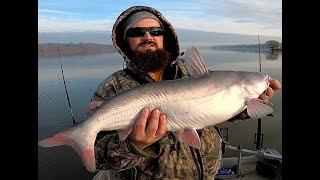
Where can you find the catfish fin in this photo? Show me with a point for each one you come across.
(124, 133)
(258, 108)
(191, 137)
(194, 63)
(94, 104)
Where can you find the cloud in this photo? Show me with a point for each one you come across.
(250, 17)
(46, 24)
(55, 12)
(259, 12)
(227, 25)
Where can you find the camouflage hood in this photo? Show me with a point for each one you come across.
(170, 39)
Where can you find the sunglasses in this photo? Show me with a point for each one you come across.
(140, 31)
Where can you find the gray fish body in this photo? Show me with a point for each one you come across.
(188, 103)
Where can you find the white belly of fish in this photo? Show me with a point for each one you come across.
(199, 112)
(204, 111)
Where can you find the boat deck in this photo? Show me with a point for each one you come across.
(247, 170)
(264, 164)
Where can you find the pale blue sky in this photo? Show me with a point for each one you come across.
(250, 17)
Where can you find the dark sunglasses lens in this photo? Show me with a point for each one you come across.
(138, 31)
(157, 31)
(135, 32)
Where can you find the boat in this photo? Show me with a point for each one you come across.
(262, 164)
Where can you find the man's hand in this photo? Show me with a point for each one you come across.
(273, 86)
(148, 129)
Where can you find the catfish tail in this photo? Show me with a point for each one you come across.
(83, 145)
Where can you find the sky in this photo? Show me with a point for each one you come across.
(246, 17)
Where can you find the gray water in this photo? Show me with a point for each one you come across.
(84, 73)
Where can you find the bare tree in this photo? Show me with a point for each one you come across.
(273, 44)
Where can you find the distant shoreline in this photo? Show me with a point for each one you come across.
(52, 49)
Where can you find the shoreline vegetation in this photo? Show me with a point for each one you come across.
(52, 49)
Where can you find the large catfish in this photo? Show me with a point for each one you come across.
(205, 99)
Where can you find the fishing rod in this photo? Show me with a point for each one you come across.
(259, 136)
(65, 87)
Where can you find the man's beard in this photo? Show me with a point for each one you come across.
(151, 61)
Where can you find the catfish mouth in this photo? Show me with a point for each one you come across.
(267, 79)
(259, 88)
